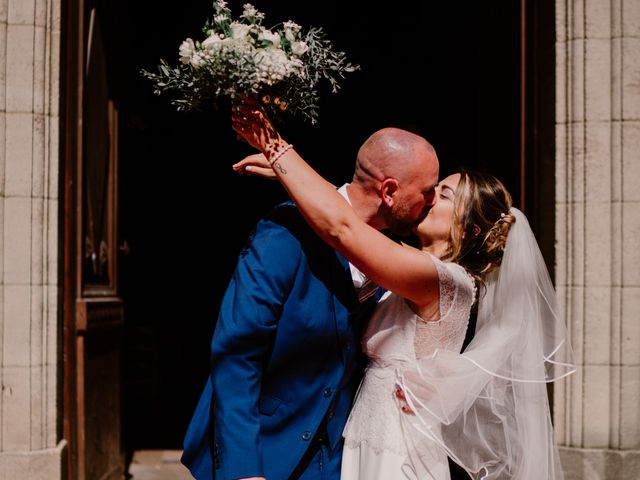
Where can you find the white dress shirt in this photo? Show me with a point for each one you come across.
(364, 286)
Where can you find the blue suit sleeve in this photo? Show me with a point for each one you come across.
(242, 341)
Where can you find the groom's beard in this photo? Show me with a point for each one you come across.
(400, 221)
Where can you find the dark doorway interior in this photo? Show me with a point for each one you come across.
(447, 70)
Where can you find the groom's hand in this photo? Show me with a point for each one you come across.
(256, 164)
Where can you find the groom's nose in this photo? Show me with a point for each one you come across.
(430, 198)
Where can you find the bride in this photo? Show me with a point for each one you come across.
(420, 400)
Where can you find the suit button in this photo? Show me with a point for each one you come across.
(306, 436)
(327, 392)
(330, 414)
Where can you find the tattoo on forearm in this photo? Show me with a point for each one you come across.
(281, 169)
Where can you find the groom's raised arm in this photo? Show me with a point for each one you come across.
(242, 341)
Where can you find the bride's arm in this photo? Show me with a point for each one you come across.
(407, 272)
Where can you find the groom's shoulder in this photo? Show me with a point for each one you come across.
(287, 216)
(283, 209)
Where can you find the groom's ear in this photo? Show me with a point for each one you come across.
(388, 189)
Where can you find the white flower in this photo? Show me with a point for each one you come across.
(220, 18)
(212, 42)
(186, 50)
(251, 13)
(239, 31)
(299, 48)
(220, 4)
(291, 30)
(241, 47)
(273, 65)
(249, 10)
(197, 60)
(292, 25)
(270, 36)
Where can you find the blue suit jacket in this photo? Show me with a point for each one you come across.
(285, 357)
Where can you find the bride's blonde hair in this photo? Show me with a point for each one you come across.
(481, 223)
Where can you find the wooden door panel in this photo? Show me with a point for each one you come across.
(93, 306)
(99, 346)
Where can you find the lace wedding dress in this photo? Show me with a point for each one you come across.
(376, 447)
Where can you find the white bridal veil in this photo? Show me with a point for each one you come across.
(488, 406)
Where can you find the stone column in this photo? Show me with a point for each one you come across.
(597, 410)
(30, 445)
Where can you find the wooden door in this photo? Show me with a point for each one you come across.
(537, 138)
(93, 308)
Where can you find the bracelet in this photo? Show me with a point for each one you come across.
(277, 156)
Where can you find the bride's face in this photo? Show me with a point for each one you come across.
(437, 224)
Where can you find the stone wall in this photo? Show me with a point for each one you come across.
(597, 413)
(30, 446)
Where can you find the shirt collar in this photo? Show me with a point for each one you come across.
(343, 191)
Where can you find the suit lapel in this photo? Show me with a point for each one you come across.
(344, 290)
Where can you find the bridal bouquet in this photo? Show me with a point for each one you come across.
(281, 66)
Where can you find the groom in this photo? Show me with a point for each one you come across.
(285, 354)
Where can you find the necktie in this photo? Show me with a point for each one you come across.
(367, 290)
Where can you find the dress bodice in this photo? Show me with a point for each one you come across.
(396, 338)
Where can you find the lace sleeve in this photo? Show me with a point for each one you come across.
(457, 294)
(457, 287)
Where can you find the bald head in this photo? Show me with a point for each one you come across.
(393, 153)
(395, 177)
